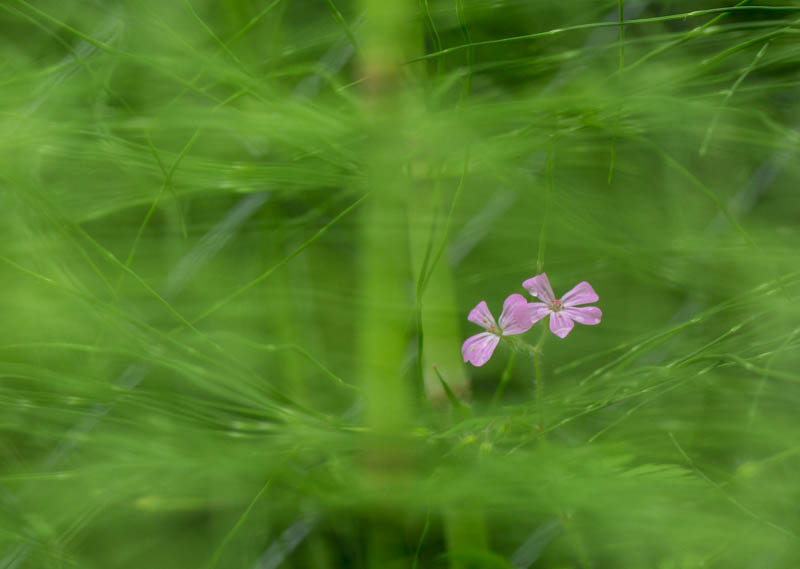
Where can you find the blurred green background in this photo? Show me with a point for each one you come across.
(237, 235)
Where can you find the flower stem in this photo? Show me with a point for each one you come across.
(504, 379)
(537, 363)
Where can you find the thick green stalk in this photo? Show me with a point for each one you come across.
(385, 266)
(465, 532)
(438, 328)
(385, 308)
(465, 525)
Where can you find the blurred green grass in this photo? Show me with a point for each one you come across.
(226, 229)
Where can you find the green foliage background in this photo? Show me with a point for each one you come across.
(237, 235)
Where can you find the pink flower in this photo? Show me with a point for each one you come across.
(515, 319)
(564, 312)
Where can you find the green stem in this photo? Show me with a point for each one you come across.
(415, 562)
(339, 18)
(437, 40)
(537, 362)
(593, 25)
(462, 22)
(504, 379)
(578, 543)
(729, 93)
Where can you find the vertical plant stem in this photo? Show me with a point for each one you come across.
(436, 307)
(385, 268)
(462, 23)
(437, 40)
(728, 94)
(537, 363)
(578, 543)
(342, 22)
(419, 290)
(539, 403)
(436, 283)
(415, 562)
(465, 529)
(465, 525)
(504, 379)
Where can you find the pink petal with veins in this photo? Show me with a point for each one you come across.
(537, 311)
(585, 314)
(479, 348)
(581, 293)
(540, 287)
(481, 316)
(515, 318)
(560, 324)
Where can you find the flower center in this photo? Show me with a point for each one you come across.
(493, 330)
(556, 306)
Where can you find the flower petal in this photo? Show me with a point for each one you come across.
(584, 314)
(581, 293)
(560, 324)
(537, 311)
(479, 348)
(515, 318)
(481, 316)
(540, 287)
